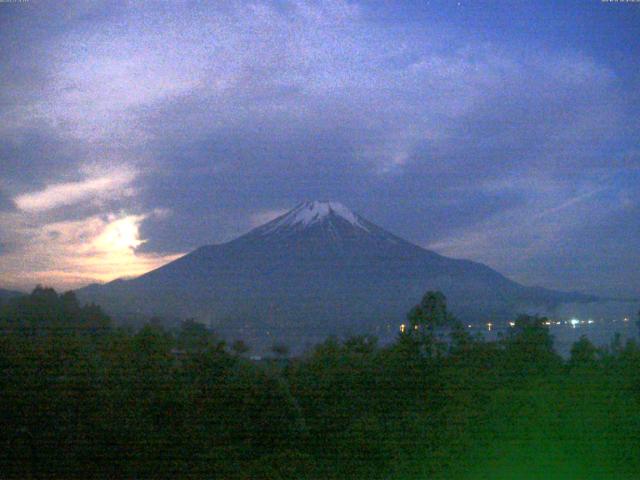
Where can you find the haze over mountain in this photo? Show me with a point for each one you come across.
(7, 294)
(318, 270)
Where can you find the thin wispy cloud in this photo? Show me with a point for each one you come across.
(263, 217)
(61, 194)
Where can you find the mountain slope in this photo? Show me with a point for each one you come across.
(318, 270)
(7, 294)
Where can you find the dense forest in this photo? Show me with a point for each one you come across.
(81, 398)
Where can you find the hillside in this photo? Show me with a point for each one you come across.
(318, 270)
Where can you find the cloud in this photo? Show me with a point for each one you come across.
(559, 229)
(64, 194)
(265, 216)
(6, 203)
(226, 114)
(73, 253)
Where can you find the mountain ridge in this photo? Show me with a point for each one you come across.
(8, 294)
(317, 270)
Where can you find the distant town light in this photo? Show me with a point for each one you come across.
(403, 327)
(512, 324)
(489, 325)
(574, 322)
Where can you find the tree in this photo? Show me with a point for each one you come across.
(361, 344)
(461, 339)
(44, 312)
(431, 313)
(583, 353)
(280, 350)
(529, 346)
(239, 347)
(194, 337)
(426, 318)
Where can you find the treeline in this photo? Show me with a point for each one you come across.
(80, 398)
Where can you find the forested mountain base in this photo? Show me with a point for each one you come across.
(81, 399)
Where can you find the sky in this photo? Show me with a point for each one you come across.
(505, 132)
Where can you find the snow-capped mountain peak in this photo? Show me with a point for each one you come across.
(310, 213)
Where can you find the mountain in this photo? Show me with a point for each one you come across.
(7, 294)
(320, 269)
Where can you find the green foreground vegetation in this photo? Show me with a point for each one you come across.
(80, 398)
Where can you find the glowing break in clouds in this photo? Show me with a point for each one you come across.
(73, 253)
(97, 247)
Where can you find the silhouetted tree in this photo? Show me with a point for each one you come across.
(239, 347)
(280, 350)
(123, 405)
(44, 312)
(424, 321)
(194, 336)
(529, 347)
(583, 354)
